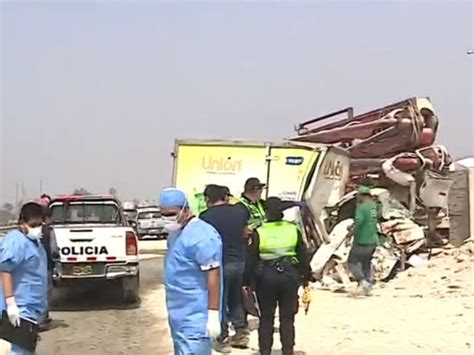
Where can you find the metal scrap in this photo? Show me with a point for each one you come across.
(393, 148)
(400, 237)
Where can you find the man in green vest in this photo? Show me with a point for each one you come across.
(276, 266)
(253, 202)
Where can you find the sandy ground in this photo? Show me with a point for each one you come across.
(423, 311)
(96, 323)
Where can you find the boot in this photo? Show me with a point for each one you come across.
(240, 340)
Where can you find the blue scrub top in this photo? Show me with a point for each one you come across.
(191, 252)
(25, 260)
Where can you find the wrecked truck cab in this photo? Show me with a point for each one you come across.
(323, 189)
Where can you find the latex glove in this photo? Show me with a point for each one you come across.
(213, 324)
(13, 311)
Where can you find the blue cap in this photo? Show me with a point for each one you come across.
(171, 197)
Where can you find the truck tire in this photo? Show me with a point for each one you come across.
(130, 289)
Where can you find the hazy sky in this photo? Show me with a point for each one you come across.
(94, 94)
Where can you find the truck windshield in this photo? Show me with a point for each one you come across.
(149, 215)
(85, 212)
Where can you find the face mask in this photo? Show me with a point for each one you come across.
(34, 233)
(171, 223)
(172, 227)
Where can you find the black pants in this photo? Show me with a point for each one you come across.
(360, 262)
(277, 288)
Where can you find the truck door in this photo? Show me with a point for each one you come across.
(287, 171)
(325, 186)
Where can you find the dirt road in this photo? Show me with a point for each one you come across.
(91, 324)
(424, 311)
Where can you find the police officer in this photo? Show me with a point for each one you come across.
(253, 203)
(276, 266)
(255, 206)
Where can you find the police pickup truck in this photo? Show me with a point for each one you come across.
(96, 244)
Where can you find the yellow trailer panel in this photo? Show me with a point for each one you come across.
(283, 166)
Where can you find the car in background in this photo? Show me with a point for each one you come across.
(149, 224)
(130, 211)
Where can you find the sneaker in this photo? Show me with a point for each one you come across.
(222, 347)
(366, 288)
(240, 340)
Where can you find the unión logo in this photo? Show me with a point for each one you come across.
(221, 165)
(333, 169)
(294, 160)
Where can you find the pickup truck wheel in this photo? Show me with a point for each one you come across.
(130, 289)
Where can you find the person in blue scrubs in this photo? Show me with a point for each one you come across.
(24, 275)
(192, 276)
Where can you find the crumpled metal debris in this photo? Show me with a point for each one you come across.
(400, 237)
(392, 145)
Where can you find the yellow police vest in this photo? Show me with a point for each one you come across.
(277, 240)
(256, 211)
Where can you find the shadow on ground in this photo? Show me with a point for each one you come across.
(101, 297)
(278, 352)
(90, 299)
(54, 324)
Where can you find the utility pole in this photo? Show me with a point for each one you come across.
(23, 192)
(17, 196)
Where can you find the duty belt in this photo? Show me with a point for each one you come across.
(281, 264)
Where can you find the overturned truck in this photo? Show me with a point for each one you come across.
(393, 150)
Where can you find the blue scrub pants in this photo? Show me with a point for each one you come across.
(16, 350)
(187, 345)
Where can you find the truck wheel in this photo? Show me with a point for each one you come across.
(130, 289)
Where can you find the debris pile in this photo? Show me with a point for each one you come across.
(393, 148)
(403, 244)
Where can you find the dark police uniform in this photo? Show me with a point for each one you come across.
(276, 267)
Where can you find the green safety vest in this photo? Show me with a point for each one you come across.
(277, 240)
(257, 213)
